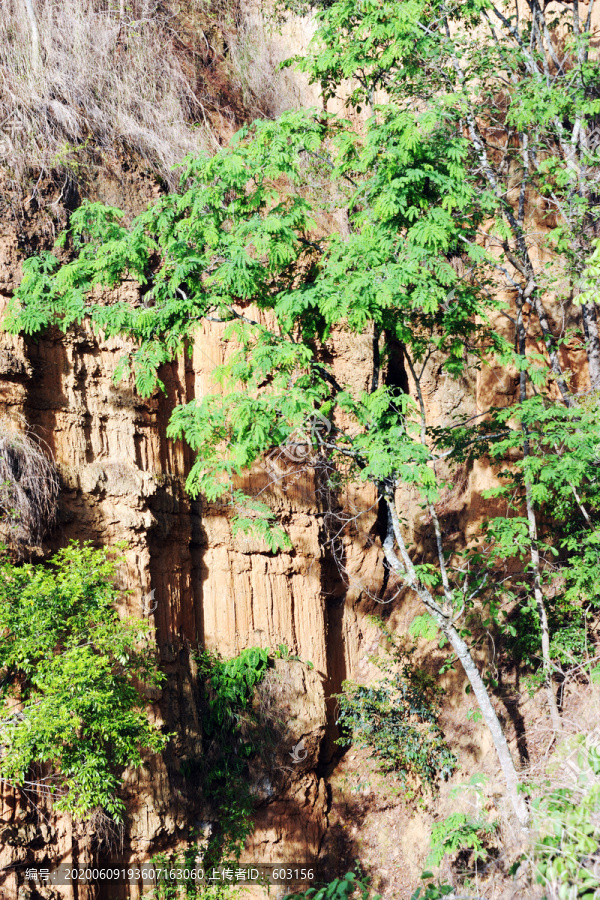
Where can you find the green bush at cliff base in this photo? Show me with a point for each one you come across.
(397, 718)
(227, 687)
(230, 739)
(167, 889)
(72, 714)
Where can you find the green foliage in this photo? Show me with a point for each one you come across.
(232, 737)
(392, 720)
(283, 652)
(170, 889)
(339, 889)
(245, 228)
(423, 627)
(71, 669)
(71, 158)
(566, 855)
(397, 719)
(590, 276)
(560, 473)
(459, 832)
(432, 891)
(228, 687)
(234, 235)
(415, 191)
(232, 682)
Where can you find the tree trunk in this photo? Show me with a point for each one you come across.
(541, 608)
(592, 344)
(405, 569)
(533, 538)
(489, 717)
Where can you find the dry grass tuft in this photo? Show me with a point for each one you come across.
(29, 490)
(97, 78)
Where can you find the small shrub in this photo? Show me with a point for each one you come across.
(227, 687)
(434, 891)
(232, 683)
(398, 726)
(169, 889)
(397, 719)
(459, 832)
(231, 736)
(565, 856)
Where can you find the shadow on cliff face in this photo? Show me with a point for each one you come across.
(334, 592)
(289, 801)
(373, 825)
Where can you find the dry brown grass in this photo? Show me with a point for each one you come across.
(100, 79)
(29, 490)
(153, 78)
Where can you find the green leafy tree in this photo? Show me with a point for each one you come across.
(72, 715)
(474, 114)
(547, 543)
(233, 235)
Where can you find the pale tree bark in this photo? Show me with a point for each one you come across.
(592, 344)
(36, 58)
(444, 616)
(521, 257)
(402, 565)
(521, 260)
(547, 667)
(546, 66)
(575, 149)
(533, 541)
